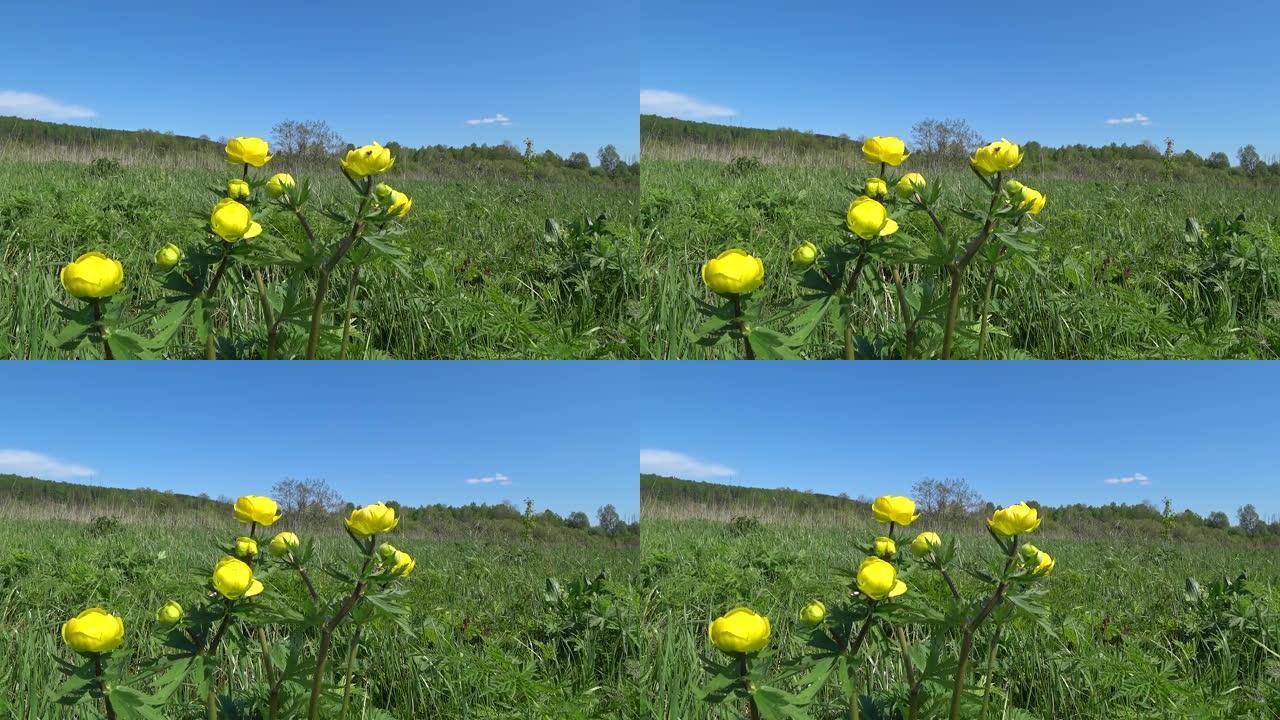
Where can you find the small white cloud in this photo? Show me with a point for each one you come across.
(1138, 118)
(674, 104)
(1138, 478)
(498, 478)
(34, 464)
(39, 107)
(669, 462)
(498, 119)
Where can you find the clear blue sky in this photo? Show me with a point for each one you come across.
(416, 432)
(1049, 71)
(564, 72)
(1204, 434)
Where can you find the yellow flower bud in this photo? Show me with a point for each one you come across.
(232, 221)
(740, 630)
(402, 564)
(93, 631)
(998, 156)
(804, 255)
(169, 614)
(238, 189)
(368, 160)
(397, 202)
(168, 256)
(814, 613)
(383, 191)
(248, 150)
(869, 219)
(246, 547)
(885, 547)
(1013, 187)
(372, 519)
(733, 272)
(1028, 551)
(876, 188)
(386, 551)
(1014, 520)
(93, 275)
(895, 509)
(878, 579)
(282, 544)
(279, 184)
(910, 184)
(1032, 200)
(1043, 564)
(233, 579)
(888, 150)
(924, 543)
(257, 509)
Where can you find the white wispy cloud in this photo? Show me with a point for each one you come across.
(498, 119)
(498, 478)
(670, 462)
(34, 464)
(1138, 118)
(674, 104)
(1138, 478)
(39, 107)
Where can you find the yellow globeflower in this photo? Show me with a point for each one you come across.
(238, 189)
(246, 547)
(232, 221)
(888, 150)
(168, 256)
(1044, 564)
(282, 544)
(804, 255)
(1032, 200)
(910, 184)
(998, 156)
(924, 543)
(878, 579)
(402, 563)
(397, 202)
(740, 630)
(169, 614)
(368, 160)
(93, 275)
(895, 509)
(814, 613)
(733, 272)
(876, 188)
(257, 509)
(279, 183)
(869, 219)
(372, 519)
(93, 631)
(885, 547)
(1014, 520)
(233, 579)
(248, 150)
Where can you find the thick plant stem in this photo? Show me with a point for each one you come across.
(273, 700)
(956, 273)
(914, 709)
(850, 348)
(326, 634)
(268, 316)
(346, 682)
(326, 270)
(102, 683)
(986, 301)
(991, 661)
(747, 350)
(971, 627)
(746, 685)
(211, 341)
(102, 331)
(351, 297)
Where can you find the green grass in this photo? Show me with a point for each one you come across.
(1126, 645)
(485, 644)
(1115, 274)
(484, 281)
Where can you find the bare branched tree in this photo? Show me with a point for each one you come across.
(944, 138)
(949, 497)
(310, 139)
(312, 496)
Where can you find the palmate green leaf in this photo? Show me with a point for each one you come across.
(131, 704)
(771, 345)
(776, 704)
(126, 345)
(815, 311)
(80, 680)
(724, 681)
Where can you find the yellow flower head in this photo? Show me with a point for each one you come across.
(804, 255)
(885, 547)
(248, 150)
(999, 156)
(232, 221)
(733, 272)
(257, 509)
(869, 219)
(1043, 565)
(238, 189)
(910, 184)
(1014, 520)
(279, 183)
(93, 275)
(876, 188)
(93, 631)
(168, 256)
(895, 509)
(1013, 187)
(402, 563)
(233, 579)
(878, 579)
(888, 150)
(814, 613)
(246, 547)
(169, 614)
(740, 630)
(372, 519)
(1031, 200)
(397, 202)
(368, 160)
(924, 543)
(282, 544)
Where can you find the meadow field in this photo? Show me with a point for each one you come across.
(1126, 263)
(491, 263)
(502, 620)
(1136, 624)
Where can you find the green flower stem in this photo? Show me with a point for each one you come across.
(102, 330)
(306, 579)
(267, 315)
(747, 351)
(912, 682)
(991, 284)
(852, 650)
(746, 685)
(273, 695)
(211, 344)
(991, 661)
(352, 647)
(955, 593)
(957, 267)
(326, 633)
(102, 683)
(326, 270)
(351, 296)
(971, 627)
(851, 286)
